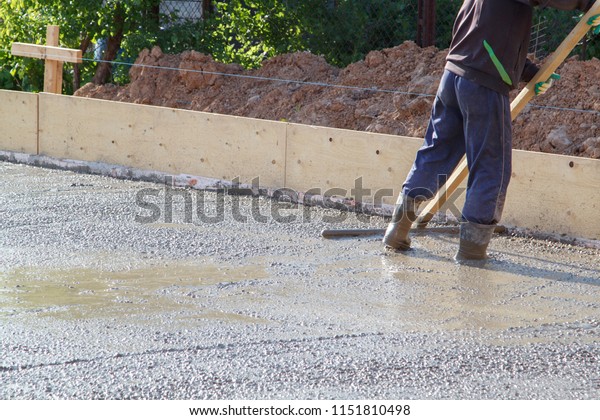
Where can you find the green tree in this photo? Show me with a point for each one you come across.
(82, 23)
(20, 23)
(237, 31)
(344, 31)
(127, 27)
(248, 32)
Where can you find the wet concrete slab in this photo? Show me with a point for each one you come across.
(107, 292)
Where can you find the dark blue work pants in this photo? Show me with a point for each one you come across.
(466, 119)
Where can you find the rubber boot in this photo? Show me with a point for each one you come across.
(405, 213)
(474, 240)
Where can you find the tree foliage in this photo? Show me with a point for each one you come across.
(345, 31)
(241, 31)
(248, 32)
(83, 23)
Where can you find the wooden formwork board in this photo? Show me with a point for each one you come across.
(333, 161)
(18, 122)
(163, 139)
(555, 194)
(550, 193)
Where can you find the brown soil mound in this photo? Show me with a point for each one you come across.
(390, 91)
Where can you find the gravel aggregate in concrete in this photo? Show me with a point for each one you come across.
(97, 305)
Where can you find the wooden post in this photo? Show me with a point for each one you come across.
(53, 68)
(53, 55)
(206, 8)
(426, 23)
(517, 105)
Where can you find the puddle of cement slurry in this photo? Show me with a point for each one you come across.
(492, 296)
(425, 290)
(344, 286)
(89, 293)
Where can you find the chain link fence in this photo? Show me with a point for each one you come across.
(182, 10)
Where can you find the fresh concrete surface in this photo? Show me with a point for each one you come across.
(96, 305)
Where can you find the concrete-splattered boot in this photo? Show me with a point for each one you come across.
(474, 240)
(405, 213)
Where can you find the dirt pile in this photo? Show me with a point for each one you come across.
(390, 91)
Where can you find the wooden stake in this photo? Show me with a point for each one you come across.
(462, 171)
(53, 68)
(53, 55)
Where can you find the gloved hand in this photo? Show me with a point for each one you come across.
(594, 22)
(542, 87)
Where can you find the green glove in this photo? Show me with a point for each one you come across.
(542, 87)
(594, 21)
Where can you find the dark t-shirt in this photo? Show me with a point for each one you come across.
(490, 40)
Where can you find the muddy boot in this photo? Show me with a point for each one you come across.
(474, 240)
(396, 235)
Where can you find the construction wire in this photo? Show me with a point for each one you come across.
(266, 79)
(300, 82)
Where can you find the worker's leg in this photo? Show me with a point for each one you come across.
(488, 149)
(489, 152)
(441, 152)
(444, 144)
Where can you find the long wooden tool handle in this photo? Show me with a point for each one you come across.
(345, 233)
(517, 105)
